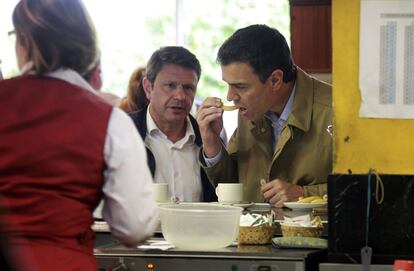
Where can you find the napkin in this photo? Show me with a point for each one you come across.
(302, 221)
(249, 220)
(162, 245)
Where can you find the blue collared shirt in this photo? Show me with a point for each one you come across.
(279, 122)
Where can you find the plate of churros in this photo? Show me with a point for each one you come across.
(308, 202)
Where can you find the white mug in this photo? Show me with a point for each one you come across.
(160, 192)
(229, 192)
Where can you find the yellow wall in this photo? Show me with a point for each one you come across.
(386, 145)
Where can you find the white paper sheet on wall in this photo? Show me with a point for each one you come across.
(386, 59)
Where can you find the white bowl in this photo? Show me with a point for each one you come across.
(200, 226)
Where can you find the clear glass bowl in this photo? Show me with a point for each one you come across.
(200, 226)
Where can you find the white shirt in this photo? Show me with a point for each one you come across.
(176, 163)
(129, 207)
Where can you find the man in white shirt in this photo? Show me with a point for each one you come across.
(170, 133)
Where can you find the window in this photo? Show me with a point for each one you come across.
(129, 31)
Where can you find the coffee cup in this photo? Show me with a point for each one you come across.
(229, 193)
(160, 192)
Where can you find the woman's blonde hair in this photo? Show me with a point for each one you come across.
(56, 33)
(135, 99)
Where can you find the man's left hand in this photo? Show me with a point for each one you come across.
(279, 191)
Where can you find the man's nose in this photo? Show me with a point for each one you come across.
(232, 95)
(180, 92)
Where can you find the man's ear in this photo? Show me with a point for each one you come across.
(146, 84)
(276, 79)
(96, 78)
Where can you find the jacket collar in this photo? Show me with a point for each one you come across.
(301, 114)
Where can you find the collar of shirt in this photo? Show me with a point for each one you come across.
(274, 119)
(67, 75)
(279, 122)
(154, 131)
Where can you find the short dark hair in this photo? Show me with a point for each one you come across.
(264, 48)
(176, 55)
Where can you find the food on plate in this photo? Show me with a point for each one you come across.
(313, 199)
(318, 201)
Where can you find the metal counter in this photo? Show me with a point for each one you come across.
(111, 256)
(234, 258)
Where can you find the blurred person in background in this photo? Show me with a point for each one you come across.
(284, 115)
(170, 133)
(94, 78)
(135, 98)
(63, 148)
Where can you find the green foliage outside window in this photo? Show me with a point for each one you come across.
(208, 24)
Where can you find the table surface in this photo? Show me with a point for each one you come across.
(268, 252)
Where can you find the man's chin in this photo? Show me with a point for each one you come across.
(178, 111)
(245, 114)
(251, 117)
(178, 116)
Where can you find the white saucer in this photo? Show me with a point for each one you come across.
(100, 226)
(159, 203)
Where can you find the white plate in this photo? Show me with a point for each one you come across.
(299, 205)
(243, 204)
(159, 203)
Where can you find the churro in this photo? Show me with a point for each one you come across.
(229, 107)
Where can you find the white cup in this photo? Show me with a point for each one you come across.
(160, 191)
(229, 192)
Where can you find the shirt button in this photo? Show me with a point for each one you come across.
(262, 130)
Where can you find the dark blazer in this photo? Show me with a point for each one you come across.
(140, 117)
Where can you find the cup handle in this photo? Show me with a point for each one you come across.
(217, 191)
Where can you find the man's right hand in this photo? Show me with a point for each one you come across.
(210, 120)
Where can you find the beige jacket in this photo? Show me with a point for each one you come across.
(303, 154)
